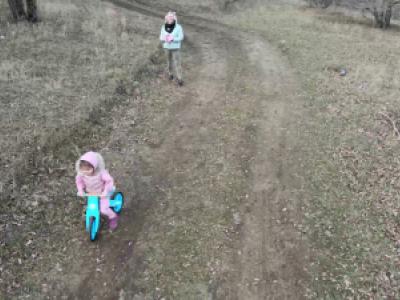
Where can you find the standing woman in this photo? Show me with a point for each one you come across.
(171, 36)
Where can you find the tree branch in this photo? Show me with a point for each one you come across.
(395, 129)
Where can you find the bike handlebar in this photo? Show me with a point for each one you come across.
(88, 195)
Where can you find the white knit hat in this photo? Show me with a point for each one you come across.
(171, 14)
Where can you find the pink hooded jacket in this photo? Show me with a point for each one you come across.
(101, 182)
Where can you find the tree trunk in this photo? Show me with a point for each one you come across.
(17, 9)
(382, 14)
(388, 16)
(31, 8)
(320, 3)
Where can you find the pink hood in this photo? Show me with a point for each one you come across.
(95, 159)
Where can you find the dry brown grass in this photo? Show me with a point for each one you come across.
(57, 78)
(52, 75)
(351, 150)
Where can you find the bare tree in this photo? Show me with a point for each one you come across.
(382, 11)
(31, 9)
(320, 3)
(18, 10)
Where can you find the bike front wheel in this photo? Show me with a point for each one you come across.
(93, 229)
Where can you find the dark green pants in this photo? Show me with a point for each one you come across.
(174, 62)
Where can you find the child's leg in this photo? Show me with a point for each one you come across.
(105, 208)
(177, 63)
(168, 54)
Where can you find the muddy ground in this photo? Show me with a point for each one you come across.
(210, 173)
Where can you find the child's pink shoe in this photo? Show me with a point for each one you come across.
(113, 223)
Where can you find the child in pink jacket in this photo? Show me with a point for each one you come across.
(93, 178)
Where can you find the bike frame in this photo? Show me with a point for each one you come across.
(93, 210)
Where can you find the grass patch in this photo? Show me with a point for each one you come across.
(58, 80)
(351, 150)
(53, 74)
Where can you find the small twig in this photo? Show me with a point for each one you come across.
(395, 129)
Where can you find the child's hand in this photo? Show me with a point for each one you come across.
(80, 193)
(169, 38)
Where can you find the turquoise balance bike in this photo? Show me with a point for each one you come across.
(93, 211)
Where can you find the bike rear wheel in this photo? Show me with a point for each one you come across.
(118, 197)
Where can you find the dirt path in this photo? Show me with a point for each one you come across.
(220, 144)
(272, 256)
